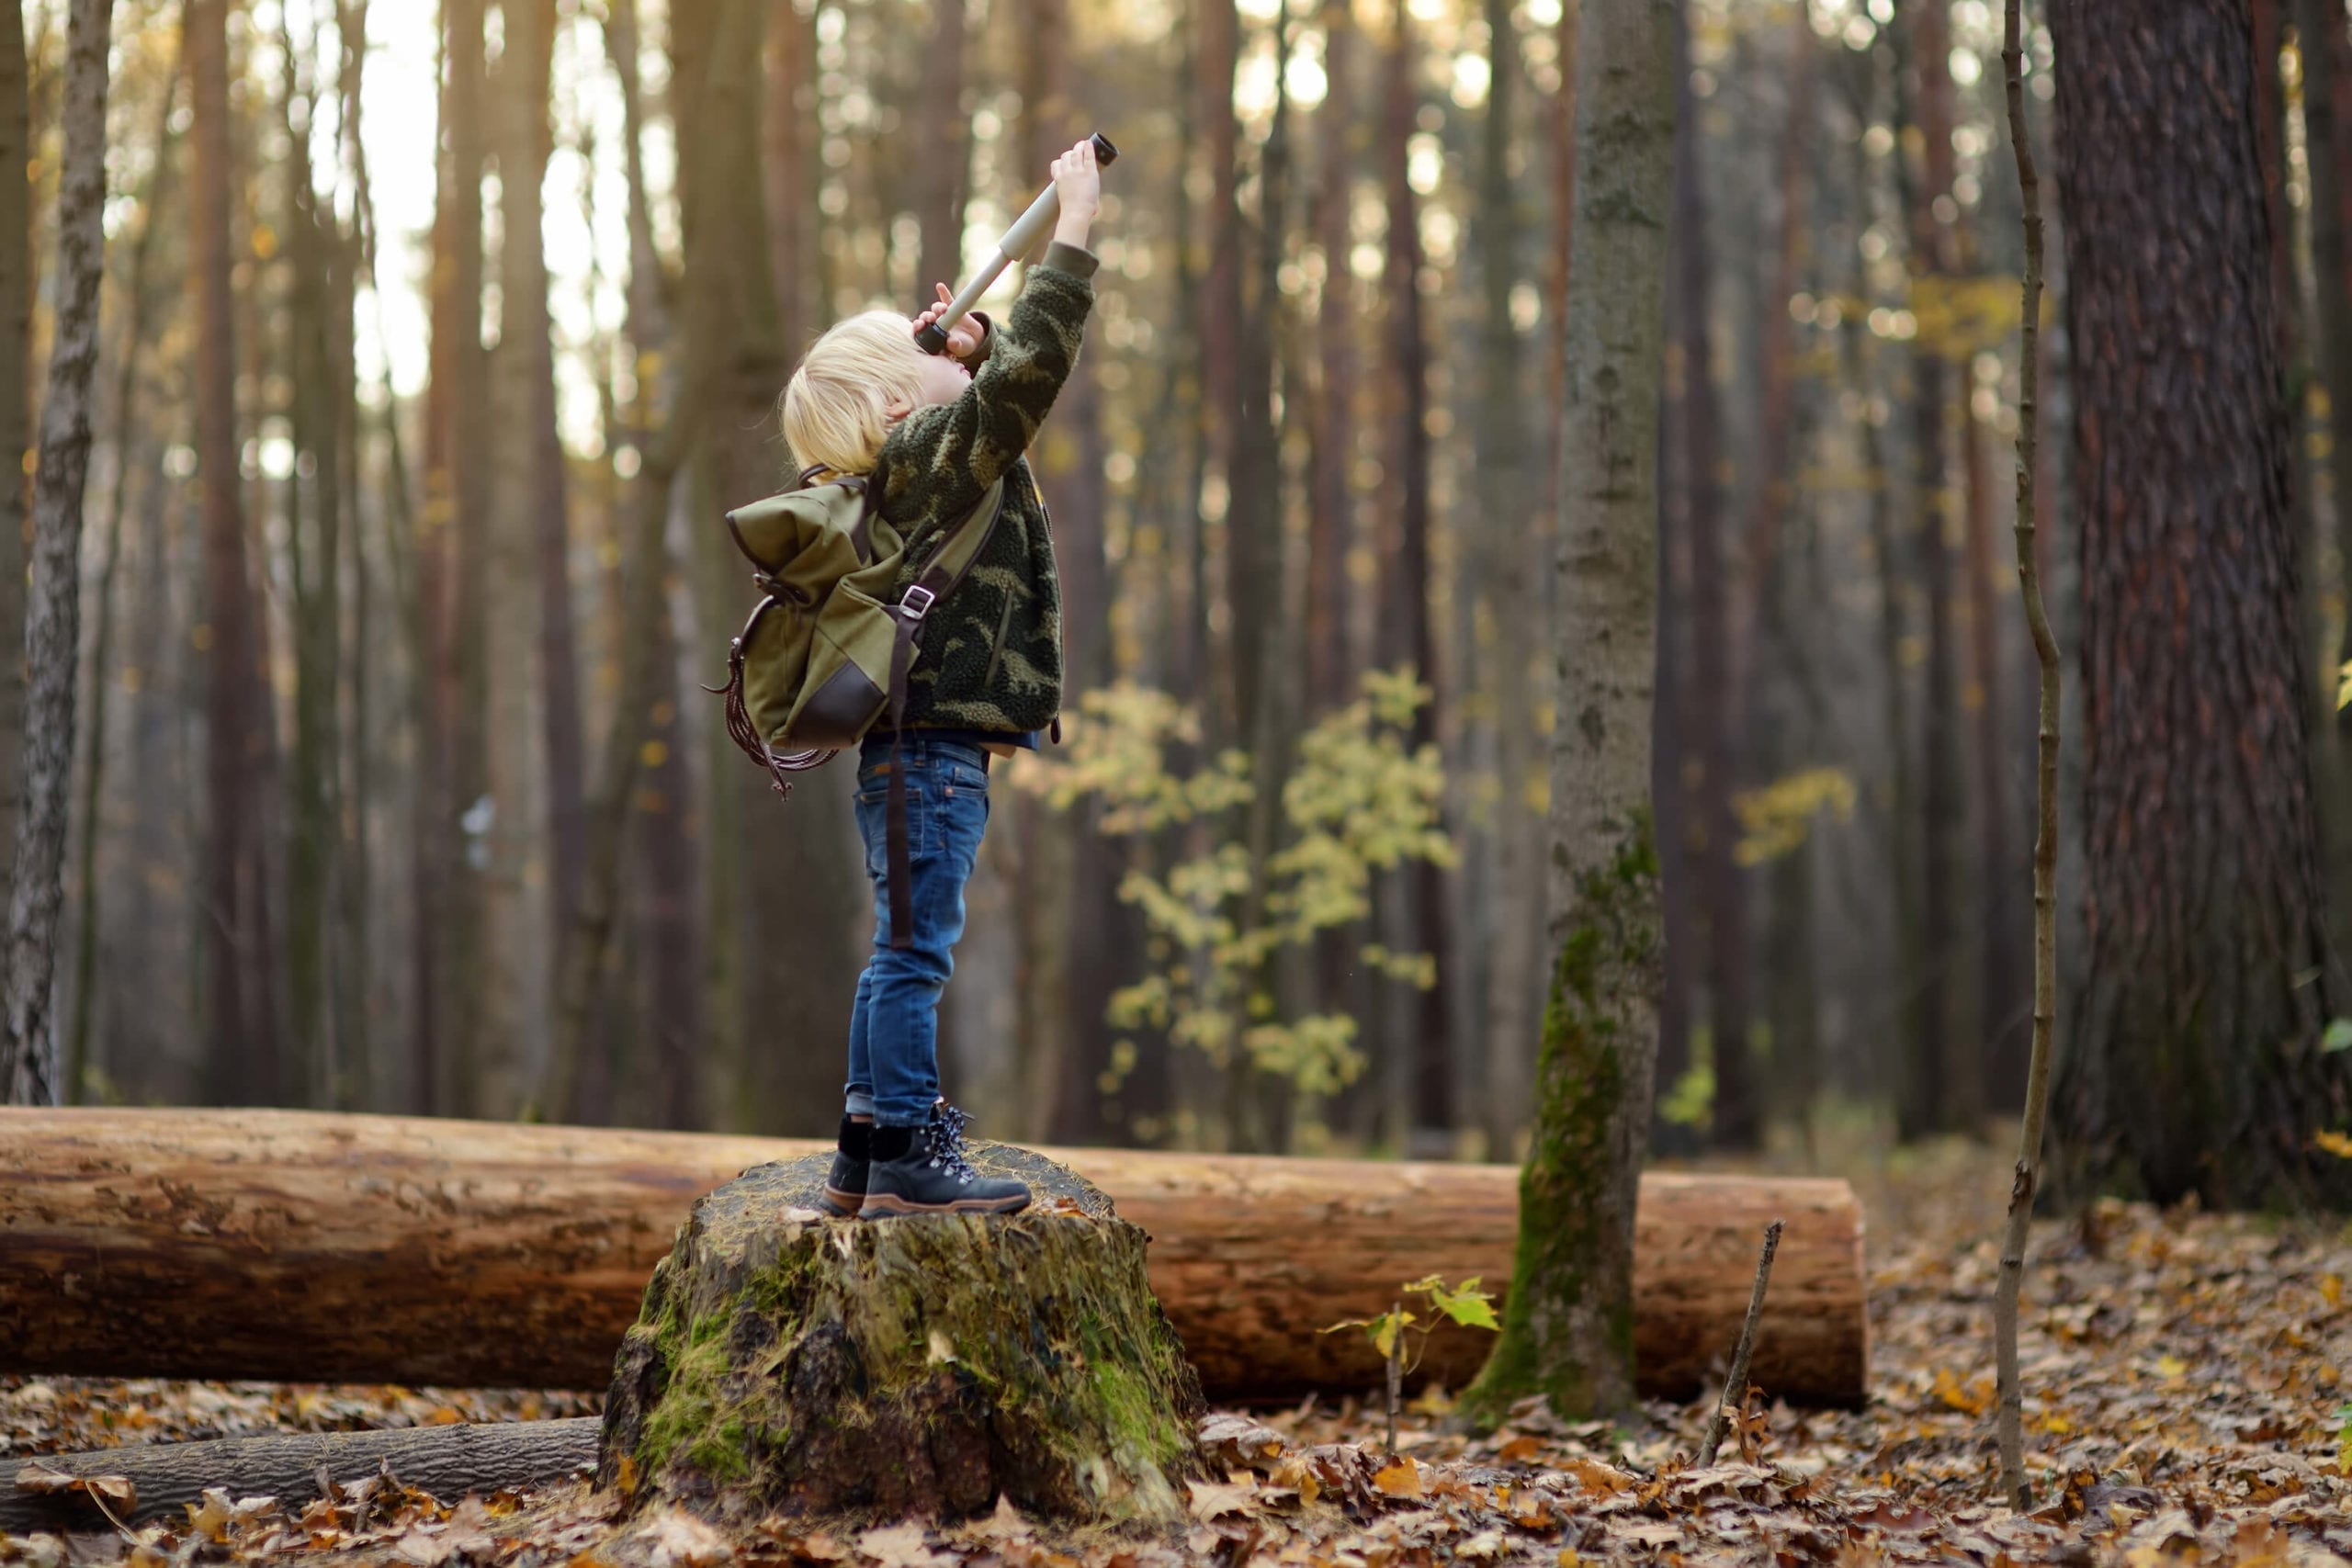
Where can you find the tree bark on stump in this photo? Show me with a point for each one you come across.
(786, 1361)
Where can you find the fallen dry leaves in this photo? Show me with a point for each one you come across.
(2184, 1377)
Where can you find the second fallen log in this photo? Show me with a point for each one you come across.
(312, 1246)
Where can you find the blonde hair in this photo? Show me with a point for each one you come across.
(835, 410)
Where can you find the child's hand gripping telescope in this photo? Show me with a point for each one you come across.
(1018, 240)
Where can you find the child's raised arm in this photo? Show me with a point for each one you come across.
(942, 457)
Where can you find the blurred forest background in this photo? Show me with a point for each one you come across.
(438, 337)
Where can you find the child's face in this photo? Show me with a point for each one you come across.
(940, 379)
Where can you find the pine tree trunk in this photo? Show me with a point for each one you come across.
(127, 444)
(54, 618)
(15, 434)
(1716, 876)
(2326, 60)
(943, 132)
(450, 920)
(242, 1063)
(578, 1085)
(315, 560)
(1332, 522)
(2194, 1063)
(564, 760)
(784, 890)
(1516, 530)
(1428, 1115)
(1954, 1066)
(2004, 1001)
(787, 112)
(1567, 1328)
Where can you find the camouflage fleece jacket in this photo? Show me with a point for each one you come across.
(989, 655)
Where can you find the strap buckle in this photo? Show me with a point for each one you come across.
(912, 609)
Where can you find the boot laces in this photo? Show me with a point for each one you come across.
(944, 1133)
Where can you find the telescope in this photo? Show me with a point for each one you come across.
(1018, 240)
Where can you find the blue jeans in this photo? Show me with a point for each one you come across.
(894, 1029)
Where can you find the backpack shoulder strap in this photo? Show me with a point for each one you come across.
(946, 568)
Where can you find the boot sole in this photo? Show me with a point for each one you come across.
(886, 1205)
(843, 1205)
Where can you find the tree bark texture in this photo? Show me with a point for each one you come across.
(241, 1038)
(1513, 531)
(1708, 717)
(530, 40)
(788, 164)
(136, 287)
(1408, 633)
(307, 1245)
(1568, 1323)
(54, 618)
(784, 896)
(1953, 1064)
(943, 136)
(2194, 1062)
(1331, 521)
(447, 1461)
(15, 434)
(2319, 28)
(786, 1361)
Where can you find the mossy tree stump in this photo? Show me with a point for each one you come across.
(786, 1361)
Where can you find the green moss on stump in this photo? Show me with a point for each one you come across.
(786, 1361)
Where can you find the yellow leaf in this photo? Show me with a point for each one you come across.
(1973, 1399)
(2172, 1367)
(2337, 1143)
(2332, 1287)
(1402, 1479)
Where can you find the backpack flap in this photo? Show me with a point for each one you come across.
(847, 680)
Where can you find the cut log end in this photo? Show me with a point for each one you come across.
(784, 1362)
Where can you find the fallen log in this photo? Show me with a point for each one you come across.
(447, 1461)
(309, 1246)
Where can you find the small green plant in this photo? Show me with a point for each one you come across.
(1464, 1303)
(2344, 1440)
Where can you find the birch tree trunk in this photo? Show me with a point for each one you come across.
(1568, 1326)
(54, 618)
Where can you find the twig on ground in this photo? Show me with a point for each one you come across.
(1736, 1382)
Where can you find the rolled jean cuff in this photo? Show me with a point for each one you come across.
(858, 1102)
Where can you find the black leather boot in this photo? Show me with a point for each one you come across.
(845, 1188)
(921, 1170)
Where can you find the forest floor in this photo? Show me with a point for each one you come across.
(2186, 1402)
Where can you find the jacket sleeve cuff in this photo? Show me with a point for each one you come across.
(1072, 259)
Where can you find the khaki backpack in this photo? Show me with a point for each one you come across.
(826, 653)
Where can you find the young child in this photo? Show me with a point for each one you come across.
(987, 675)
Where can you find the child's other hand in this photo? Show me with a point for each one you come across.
(1079, 181)
(964, 337)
